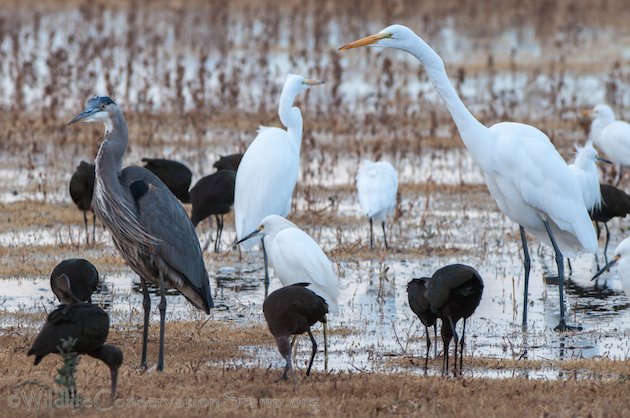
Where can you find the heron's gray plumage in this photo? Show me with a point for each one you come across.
(148, 225)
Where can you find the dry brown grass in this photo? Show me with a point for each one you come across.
(202, 366)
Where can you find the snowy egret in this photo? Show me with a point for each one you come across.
(420, 306)
(377, 184)
(228, 162)
(81, 191)
(292, 310)
(452, 293)
(86, 323)
(213, 195)
(611, 136)
(621, 256)
(297, 258)
(525, 174)
(175, 175)
(269, 169)
(82, 279)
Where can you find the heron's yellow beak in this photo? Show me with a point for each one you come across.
(368, 40)
(586, 112)
(311, 82)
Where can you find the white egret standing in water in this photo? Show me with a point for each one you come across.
(525, 174)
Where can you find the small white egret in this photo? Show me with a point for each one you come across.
(611, 136)
(268, 172)
(621, 256)
(377, 185)
(296, 258)
(525, 174)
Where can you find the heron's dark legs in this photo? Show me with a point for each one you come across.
(162, 307)
(606, 244)
(146, 305)
(461, 350)
(426, 355)
(371, 234)
(314, 343)
(384, 234)
(85, 223)
(562, 326)
(266, 267)
(527, 265)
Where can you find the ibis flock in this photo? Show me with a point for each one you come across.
(142, 209)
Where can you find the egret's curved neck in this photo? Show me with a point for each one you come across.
(291, 117)
(470, 129)
(110, 154)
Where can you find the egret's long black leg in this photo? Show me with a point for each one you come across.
(527, 265)
(371, 234)
(606, 245)
(435, 339)
(93, 227)
(570, 267)
(426, 355)
(146, 305)
(325, 325)
(384, 234)
(162, 307)
(314, 345)
(562, 326)
(266, 260)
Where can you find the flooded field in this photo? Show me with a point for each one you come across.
(196, 81)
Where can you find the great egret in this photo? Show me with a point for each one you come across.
(621, 256)
(525, 174)
(377, 185)
(292, 310)
(268, 171)
(297, 258)
(611, 136)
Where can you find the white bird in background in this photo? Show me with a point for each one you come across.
(621, 256)
(268, 172)
(525, 174)
(584, 168)
(611, 136)
(377, 184)
(297, 258)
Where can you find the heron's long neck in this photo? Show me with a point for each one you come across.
(291, 117)
(110, 154)
(470, 129)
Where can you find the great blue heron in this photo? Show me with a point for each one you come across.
(213, 195)
(292, 310)
(452, 293)
(82, 278)
(150, 228)
(89, 324)
(175, 175)
(377, 186)
(228, 162)
(81, 191)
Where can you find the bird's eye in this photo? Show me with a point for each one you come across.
(103, 106)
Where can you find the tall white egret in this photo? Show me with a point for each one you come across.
(377, 185)
(525, 174)
(297, 258)
(621, 256)
(611, 136)
(268, 172)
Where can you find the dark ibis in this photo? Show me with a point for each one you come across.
(81, 277)
(228, 162)
(81, 191)
(175, 175)
(420, 306)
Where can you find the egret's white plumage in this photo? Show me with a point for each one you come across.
(621, 256)
(377, 185)
(297, 258)
(611, 136)
(584, 168)
(269, 169)
(525, 174)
